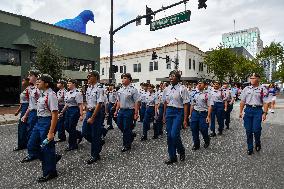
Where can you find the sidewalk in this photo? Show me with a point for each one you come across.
(7, 115)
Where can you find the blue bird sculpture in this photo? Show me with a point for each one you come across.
(78, 23)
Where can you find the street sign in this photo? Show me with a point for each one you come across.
(171, 20)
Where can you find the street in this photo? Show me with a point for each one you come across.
(225, 164)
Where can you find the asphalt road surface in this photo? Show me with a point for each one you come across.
(224, 164)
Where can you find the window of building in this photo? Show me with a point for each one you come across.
(155, 65)
(121, 69)
(193, 64)
(201, 66)
(10, 57)
(189, 64)
(103, 71)
(137, 67)
(124, 69)
(151, 66)
(78, 64)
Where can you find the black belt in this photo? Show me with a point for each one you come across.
(173, 107)
(254, 106)
(201, 111)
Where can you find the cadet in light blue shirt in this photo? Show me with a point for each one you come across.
(254, 98)
(176, 99)
(150, 111)
(127, 110)
(200, 115)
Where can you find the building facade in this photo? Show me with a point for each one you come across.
(19, 38)
(144, 69)
(248, 38)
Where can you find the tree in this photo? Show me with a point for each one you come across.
(48, 59)
(221, 62)
(274, 53)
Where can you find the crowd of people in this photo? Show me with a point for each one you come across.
(176, 105)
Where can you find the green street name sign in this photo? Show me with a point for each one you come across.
(171, 20)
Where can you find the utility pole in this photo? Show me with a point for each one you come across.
(111, 75)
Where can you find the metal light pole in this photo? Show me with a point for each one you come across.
(177, 61)
(111, 45)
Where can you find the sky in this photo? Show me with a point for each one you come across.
(204, 30)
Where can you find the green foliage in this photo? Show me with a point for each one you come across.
(274, 53)
(227, 65)
(48, 59)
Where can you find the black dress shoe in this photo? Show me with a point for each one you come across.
(250, 152)
(70, 149)
(80, 139)
(134, 135)
(93, 160)
(110, 128)
(182, 156)
(212, 135)
(155, 137)
(61, 140)
(17, 149)
(194, 148)
(143, 138)
(27, 159)
(58, 157)
(48, 177)
(124, 149)
(220, 132)
(171, 161)
(206, 144)
(258, 147)
(228, 127)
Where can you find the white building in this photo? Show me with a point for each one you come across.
(248, 38)
(144, 69)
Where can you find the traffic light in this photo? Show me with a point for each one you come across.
(167, 58)
(154, 55)
(150, 17)
(202, 4)
(114, 68)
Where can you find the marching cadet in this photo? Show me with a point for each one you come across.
(219, 108)
(142, 94)
(31, 114)
(230, 101)
(150, 111)
(254, 98)
(22, 126)
(159, 112)
(176, 99)
(200, 115)
(92, 130)
(61, 93)
(103, 114)
(74, 112)
(42, 138)
(127, 110)
(111, 96)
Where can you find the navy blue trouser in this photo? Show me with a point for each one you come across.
(23, 128)
(174, 119)
(142, 111)
(158, 126)
(103, 116)
(47, 153)
(252, 124)
(71, 120)
(92, 133)
(60, 125)
(110, 114)
(198, 123)
(228, 114)
(217, 111)
(149, 115)
(125, 119)
(32, 120)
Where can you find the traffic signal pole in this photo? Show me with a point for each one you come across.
(112, 31)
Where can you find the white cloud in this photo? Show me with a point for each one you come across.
(204, 30)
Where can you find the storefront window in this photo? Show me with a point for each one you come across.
(10, 57)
